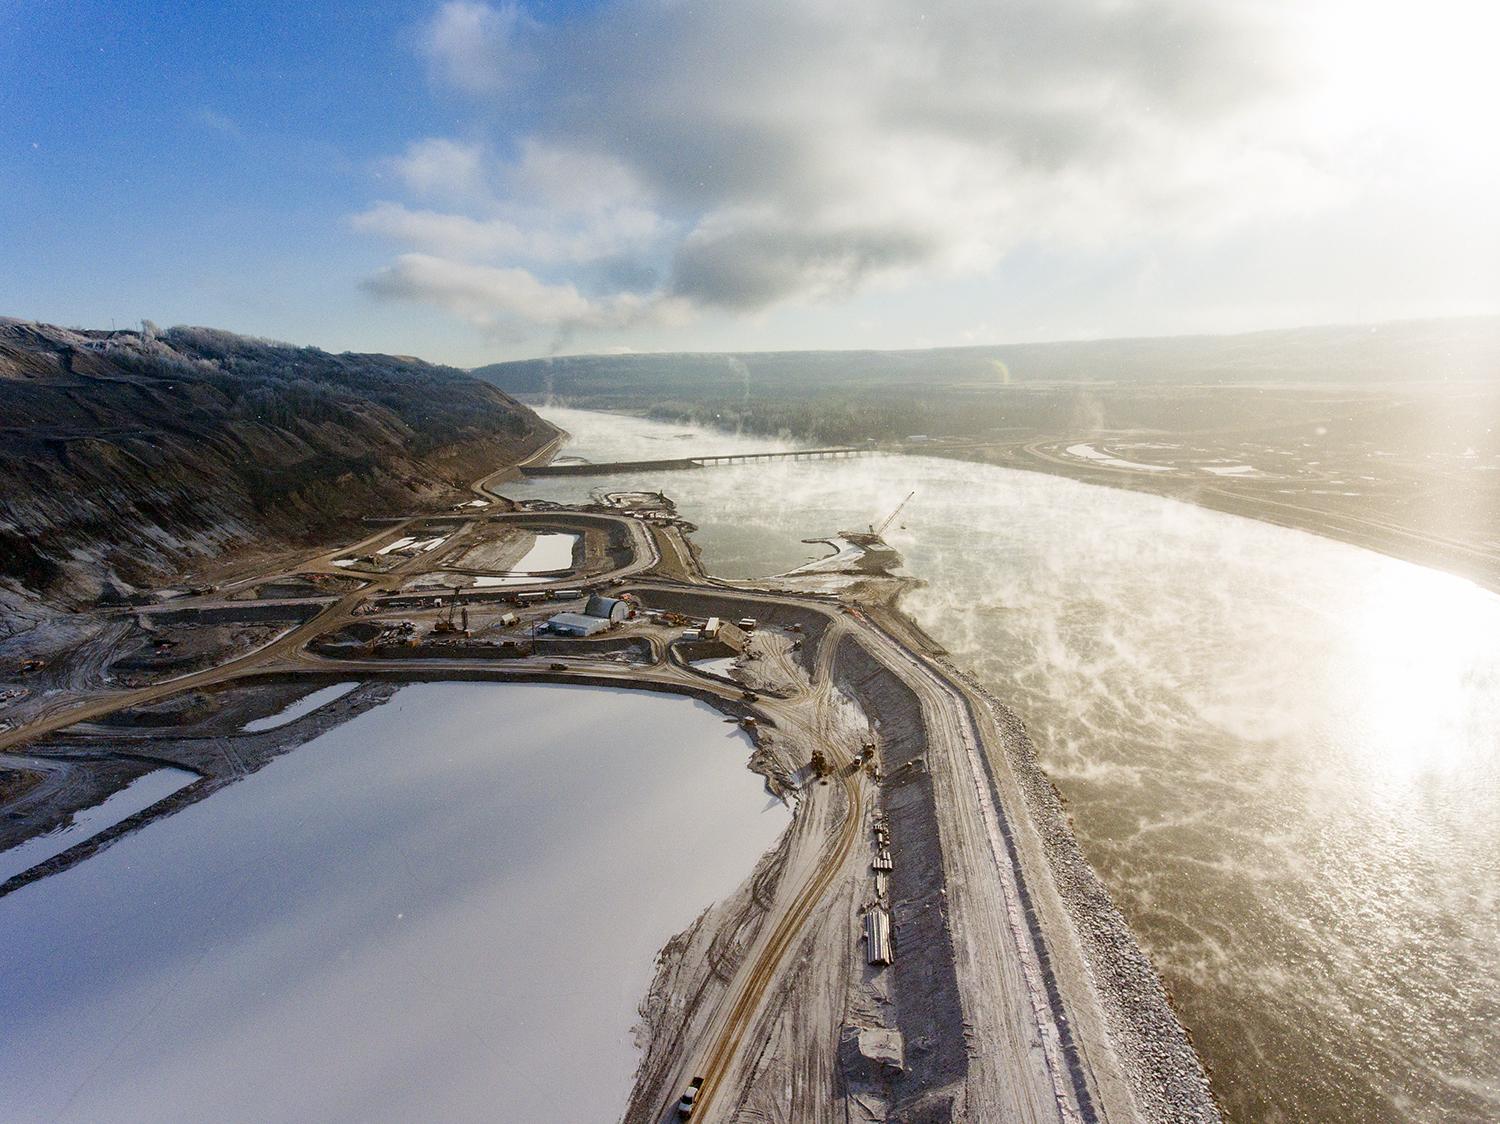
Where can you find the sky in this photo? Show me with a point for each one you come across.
(470, 182)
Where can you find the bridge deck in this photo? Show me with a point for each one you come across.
(692, 462)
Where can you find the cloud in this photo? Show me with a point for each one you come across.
(474, 47)
(437, 167)
(730, 157)
(444, 233)
(505, 302)
(606, 237)
(219, 122)
(745, 264)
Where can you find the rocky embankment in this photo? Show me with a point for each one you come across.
(132, 458)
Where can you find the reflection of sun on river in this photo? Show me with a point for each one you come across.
(1280, 752)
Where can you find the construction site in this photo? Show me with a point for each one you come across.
(925, 942)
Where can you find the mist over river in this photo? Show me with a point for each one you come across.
(1282, 753)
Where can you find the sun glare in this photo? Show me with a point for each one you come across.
(1413, 86)
(1412, 681)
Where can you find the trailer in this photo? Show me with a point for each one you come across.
(878, 948)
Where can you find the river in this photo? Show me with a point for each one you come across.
(1282, 753)
(447, 908)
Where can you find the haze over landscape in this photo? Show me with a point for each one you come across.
(797, 561)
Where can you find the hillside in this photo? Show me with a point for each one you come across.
(1364, 355)
(1272, 379)
(129, 458)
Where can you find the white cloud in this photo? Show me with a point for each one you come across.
(540, 237)
(733, 157)
(437, 167)
(505, 301)
(457, 236)
(473, 46)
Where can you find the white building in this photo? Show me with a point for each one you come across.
(576, 624)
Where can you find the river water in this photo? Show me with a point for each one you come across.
(1282, 753)
(447, 908)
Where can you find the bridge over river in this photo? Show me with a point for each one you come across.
(587, 469)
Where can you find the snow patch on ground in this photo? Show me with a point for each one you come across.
(397, 545)
(1088, 452)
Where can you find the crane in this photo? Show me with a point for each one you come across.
(891, 518)
(448, 625)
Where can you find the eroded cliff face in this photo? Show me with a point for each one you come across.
(131, 458)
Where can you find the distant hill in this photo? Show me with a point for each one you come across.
(127, 456)
(1405, 351)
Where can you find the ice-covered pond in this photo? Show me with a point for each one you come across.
(445, 909)
(550, 552)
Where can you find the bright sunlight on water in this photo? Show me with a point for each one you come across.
(1280, 751)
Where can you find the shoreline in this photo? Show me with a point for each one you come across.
(1462, 560)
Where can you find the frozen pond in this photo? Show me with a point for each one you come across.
(549, 552)
(135, 797)
(305, 705)
(445, 906)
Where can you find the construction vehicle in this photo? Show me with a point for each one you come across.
(448, 626)
(689, 1099)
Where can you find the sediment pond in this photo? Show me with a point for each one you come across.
(447, 908)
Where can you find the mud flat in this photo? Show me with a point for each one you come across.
(481, 917)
